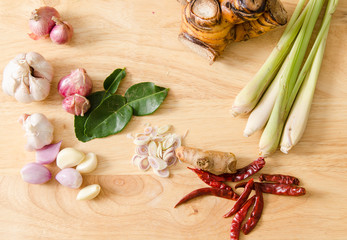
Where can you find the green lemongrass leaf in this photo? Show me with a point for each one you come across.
(94, 99)
(112, 82)
(109, 118)
(145, 97)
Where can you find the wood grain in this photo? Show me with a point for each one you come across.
(142, 36)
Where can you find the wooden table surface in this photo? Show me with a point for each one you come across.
(142, 36)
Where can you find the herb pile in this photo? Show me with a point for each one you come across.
(110, 112)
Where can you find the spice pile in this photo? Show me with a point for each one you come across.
(273, 184)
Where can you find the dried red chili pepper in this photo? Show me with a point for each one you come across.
(245, 172)
(211, 179)
(240, 174)
(238, 219)
(242, 199)
(256, 211)
(219, 192)
(281, 189)
(279, 178)
(277, 188)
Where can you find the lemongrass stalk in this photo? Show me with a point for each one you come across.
(295, 15)
(271, 136)
(297, 120)
(261, 113)
(249, 96)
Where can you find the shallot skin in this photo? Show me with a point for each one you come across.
(41, 22)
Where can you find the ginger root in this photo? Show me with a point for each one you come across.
(208, 26)
(212, 161)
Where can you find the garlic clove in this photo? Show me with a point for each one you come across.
(89, 163)
(69, 177)
(69, 157)
(89, 192)
(48, 153)
(35, 173)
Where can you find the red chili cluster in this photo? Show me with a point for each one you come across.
(273, 184)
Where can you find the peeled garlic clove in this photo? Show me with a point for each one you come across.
(88, 164)
(141, 140)
(157, 163)
(35, 173)
(152, 149)
(48, 153)
(69, 177)
(163, 129)
(89, 192)
(69, 157)
(162, 173)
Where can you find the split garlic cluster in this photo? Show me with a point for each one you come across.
(28, 77)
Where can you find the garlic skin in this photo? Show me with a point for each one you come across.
(38, 130)
(28, 77)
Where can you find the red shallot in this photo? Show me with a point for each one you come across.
(41, 22)
(48, 153)
(35, 173)
(62, 32)
(77, 82)
(76, 104)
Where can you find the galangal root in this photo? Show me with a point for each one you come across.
(208, 26)
(212, 161)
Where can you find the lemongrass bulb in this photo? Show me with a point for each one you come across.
(260, 115)
(297, 120)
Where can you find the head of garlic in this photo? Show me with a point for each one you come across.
(38, 129)
(28, 77)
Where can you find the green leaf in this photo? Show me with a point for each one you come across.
(95, 99)
(112, 82)
(110, 117)
(145, 97)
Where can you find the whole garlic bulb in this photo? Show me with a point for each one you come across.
(38, 130)
(28, 77)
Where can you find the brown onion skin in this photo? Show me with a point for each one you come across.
(77, 82)
(61, 33)
(41, 22)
